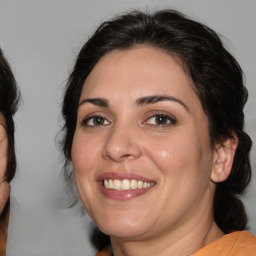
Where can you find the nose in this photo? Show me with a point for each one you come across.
(122, 144)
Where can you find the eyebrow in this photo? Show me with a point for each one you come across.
(140, 102)
(158, 98)
(95, 101)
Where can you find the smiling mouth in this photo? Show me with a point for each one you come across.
(125, 184)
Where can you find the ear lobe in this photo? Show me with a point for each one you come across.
(223, 159)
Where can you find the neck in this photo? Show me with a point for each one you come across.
(180, 243)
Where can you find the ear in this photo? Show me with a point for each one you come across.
(224, 154)
(4, 186)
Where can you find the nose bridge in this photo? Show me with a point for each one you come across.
(121, 143)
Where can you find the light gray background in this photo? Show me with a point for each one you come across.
(41, 40)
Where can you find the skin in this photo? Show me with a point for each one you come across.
(175, 215)
(4, 186)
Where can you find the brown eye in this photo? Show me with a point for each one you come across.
(98, 120)
(160, 120)
(95, 121)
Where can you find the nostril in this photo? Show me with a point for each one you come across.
(126, 156)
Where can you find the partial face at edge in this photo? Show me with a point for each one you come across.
(141, 150)
(4, 186)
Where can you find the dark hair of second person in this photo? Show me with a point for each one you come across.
(9, 98)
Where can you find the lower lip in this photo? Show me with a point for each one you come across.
(122, 195)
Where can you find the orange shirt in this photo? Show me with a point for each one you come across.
(239, 243)
(105, 252)
(3, 237)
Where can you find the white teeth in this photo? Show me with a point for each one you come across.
(126, 184)
(134, 184)
(106, 184)
(117, 184)
(110, 184)
(140, 184)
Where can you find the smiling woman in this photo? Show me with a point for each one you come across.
(9, 97)
(154, 121)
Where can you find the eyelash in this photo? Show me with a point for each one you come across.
(169, 119)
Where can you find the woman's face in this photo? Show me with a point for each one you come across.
(4, 186)
(141, 151)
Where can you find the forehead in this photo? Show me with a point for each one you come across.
(139, 71)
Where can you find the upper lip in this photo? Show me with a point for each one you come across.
(122, 176)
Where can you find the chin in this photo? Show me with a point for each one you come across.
(122, 227)
(123, 233)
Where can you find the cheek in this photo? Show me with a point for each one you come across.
(84, 154)
(175, 153)
(182, 159)
(4, 194)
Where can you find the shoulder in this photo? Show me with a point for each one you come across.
(240, 243)
(245, 243)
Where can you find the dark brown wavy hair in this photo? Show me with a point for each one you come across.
(218, 81)
(9, 99)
